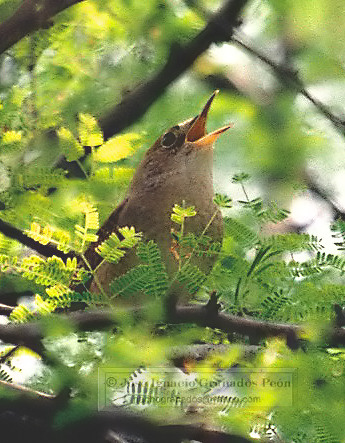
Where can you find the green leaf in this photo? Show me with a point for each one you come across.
(150, 277)
(271, 213)
(11, 138)
(241, 233)
(316, 265)
(191, 276)
(132, 282)
(117, 148)
(38, 177)
(338, 229)
(117, 176)
(70, 147)
(240, 177)
(180, 213)
(49, 234)
(47, 272)
(114, 248)
(293, 242)
(91, 222)
(89, 131)
(273, 303)
(222, 200)
(157, 281)
(21, 314)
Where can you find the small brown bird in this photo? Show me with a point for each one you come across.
(178, 167)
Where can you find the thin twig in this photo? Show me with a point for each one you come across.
(95, 277)
(136, 103)
(319, 191)
(26, 391)
(291, 79)
(17, 234)
(135, 425)
(219, 28)
(284, 72)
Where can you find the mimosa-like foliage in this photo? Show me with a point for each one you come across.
(117, 148)
(89, 131)
(240, 232)
(157, 280)
(91, 223)
(191, 276)
(113, 249)
(48, 234)
(71, 148)
(46, 272)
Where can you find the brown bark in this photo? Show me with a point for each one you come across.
(133, 106)
(30, 334)
(29, 17)
(45, 250)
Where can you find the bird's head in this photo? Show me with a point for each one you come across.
(184, 148)
(191, 134)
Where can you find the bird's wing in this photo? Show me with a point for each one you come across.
(108, 227)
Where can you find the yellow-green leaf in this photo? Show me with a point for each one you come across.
(70, 147)
(117, 148)
(89, 132)
(10, 137)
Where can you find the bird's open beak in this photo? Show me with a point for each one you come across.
(197, 132)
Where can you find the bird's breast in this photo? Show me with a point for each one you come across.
(149, 211)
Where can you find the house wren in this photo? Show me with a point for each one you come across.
(178, 167)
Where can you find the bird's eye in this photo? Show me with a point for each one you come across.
(168, 139)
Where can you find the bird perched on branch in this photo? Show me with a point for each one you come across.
(178, 167)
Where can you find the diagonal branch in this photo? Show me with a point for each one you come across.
(286, 75)
(319, 191)
(291, 79)
(17, 234)
(255, 329)
(218, 29)
(38, 409)
(31, 16)
(8, 355)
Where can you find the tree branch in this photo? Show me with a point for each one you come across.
(285, 73)
(11, 298)
(38, 408)
(200, 351)
(255, 329)
(314, 187)
(136, 425)
(27, 415)
(31, 334)
(291, 79)
(134, 105)
(8, 355)
(24, 391)
(6, 309)
(46, 250)
(31, 16)
(219, 28)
